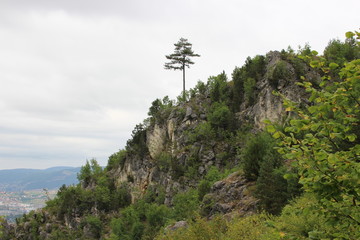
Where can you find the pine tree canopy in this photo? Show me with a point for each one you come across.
(181, 56)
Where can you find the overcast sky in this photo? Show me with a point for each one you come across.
(76, 76)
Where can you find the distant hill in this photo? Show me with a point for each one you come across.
(28, 179)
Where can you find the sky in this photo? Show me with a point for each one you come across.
(76, 76)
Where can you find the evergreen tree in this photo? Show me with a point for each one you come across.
(181, 58)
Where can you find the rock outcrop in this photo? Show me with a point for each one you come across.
(234, 194)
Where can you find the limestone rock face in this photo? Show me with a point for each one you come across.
(155, 140)
(267, 105)
(231, 194)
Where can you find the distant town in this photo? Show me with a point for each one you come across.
(15, 204)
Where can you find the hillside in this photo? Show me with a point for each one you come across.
(15, 180)
(270, 153)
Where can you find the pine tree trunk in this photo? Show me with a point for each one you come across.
(184, 82)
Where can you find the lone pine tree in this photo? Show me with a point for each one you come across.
(181, 58)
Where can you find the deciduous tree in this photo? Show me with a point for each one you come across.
(323, 142)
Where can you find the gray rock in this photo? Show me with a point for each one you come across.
(177, 225)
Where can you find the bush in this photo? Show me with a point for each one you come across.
(219, 89)
(137, 143)
(220, 116)
(271, 188)
(245, 228)
(339, 52)
(93, 224)
(128, 226)
(163, 161)
(202, 132)
(201, 229)
(117, 159)
(211, 177)
(258, 149)
(279, 72)
(186, 204)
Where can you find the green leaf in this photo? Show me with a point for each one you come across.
(315, 53)
(276, 135)
(351, 137)
(270, 128)
(333, 66)
(349, 34)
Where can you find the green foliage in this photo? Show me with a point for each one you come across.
(279, 72)
(181, 58)
(155, 194)
(198, 230)
(258, 149)
(219, 88)
(245, 79)
(238, 78)
(202, 132)
(340, 52)
(160, 109)
(263, 164)
(210, 178)
(249, 228)
(299, 66)
(93, 224)
(128, 226)
(2, 221)
(163, 161)
(220, 116)
(117, 159)
(323, 143)
(140, 221)
(186, 204)
(246, 228)
(271, 188)
(249, 90)
(305, 51)
(120, 197)
(137, 144)
(299, 221)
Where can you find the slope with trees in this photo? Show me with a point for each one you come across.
(303, 173)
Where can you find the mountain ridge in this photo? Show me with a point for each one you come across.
(21, 179)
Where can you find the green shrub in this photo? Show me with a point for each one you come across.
(220, 116)
(219, 88)
(279, 72)
(163, 161)
(271, 188)
(155, 194)
(210, 178)
(245, 228)
(117, 159)
(137, 144)
(186, 204)
(202, 132)
(340, 52)
(258, 149)
(128, 226)
(94, 225)
(249, 90)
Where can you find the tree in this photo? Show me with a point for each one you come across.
(323, 142)
(181, 58)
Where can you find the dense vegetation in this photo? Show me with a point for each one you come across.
(305, 168)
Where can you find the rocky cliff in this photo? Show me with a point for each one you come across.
(176, 149)
(171, 136)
